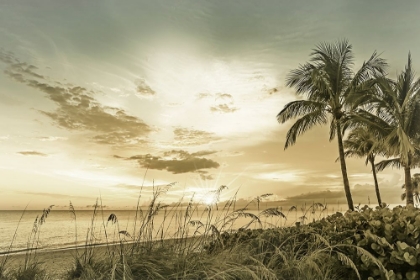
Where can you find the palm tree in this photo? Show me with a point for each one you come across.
(415, 180)
(330, 85)
(362, 143)
(398, 163)
(259, 198)
(397, 113)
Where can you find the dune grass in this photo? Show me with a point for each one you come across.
(210, 247)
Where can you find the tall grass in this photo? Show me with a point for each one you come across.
(156, 251)
(31, 268)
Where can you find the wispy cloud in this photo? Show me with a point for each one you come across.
(32, 153)
(224, 96)
(143, 89)
(204, 95)
(185, 154)
(55, 195)
(223, 102)
(223, 108)
(119, 138)
(77, 107)
(204, 175)
(361, 193)
(148, 189)
(191, 137)
(51, 138)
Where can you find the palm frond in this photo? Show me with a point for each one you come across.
(378, 127)
(304, 124)
(301, 78)
(299, 108)
(413, 115)
(404, 82)
(394, 162)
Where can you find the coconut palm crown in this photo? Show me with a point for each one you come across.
(330, 86)
(395, 115)
(415, 181)
(362, 143)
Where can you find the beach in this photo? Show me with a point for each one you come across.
(56, 262)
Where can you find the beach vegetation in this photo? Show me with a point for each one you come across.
(379, 243)
(331, 87)
(362, 143)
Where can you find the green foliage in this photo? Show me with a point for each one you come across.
(381, 243)
(392, 236)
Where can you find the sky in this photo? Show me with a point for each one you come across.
(101, 97)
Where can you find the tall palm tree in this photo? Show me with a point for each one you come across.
(398, 163)
(259, 198)
(362, 143)
(395, 114)
(329, 84)
(415, 180)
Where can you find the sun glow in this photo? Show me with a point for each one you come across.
(206, 196)
(209, 199)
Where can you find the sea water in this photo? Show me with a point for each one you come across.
(62, 229)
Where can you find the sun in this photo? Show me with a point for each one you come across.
(209, 199)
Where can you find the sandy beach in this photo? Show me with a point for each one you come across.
(56, 262)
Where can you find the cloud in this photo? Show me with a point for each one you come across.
(191, 137)
(317, 196)
(54, 195)
(145, 189)
(224, 96)
(180, 161)
(17, 69)
(204, 95)
(272, 91)
(223, 108)
(143, 89)
(183, 154)
(118, 138)
(32, 153)
(204, 175)
(51, 138)
(223, 102)
(361, 193)
(78, 109)
(280, 176)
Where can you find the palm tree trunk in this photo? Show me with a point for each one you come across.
(408, 186)
(344, 168)
(378, 194)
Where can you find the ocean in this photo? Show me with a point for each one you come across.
(61, 230)
(60, 227)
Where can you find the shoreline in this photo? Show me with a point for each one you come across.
(57, 262)
(18, 252)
